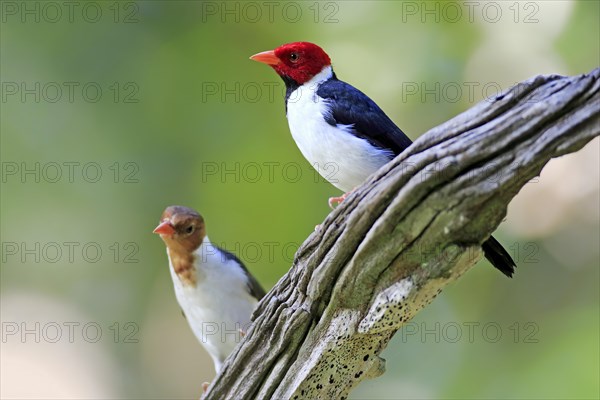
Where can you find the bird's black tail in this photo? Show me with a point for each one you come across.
(499, 257)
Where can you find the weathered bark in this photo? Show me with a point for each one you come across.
(391, 247)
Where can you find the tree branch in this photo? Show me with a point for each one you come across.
(399, 239)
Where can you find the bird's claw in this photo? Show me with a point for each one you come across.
(205, 386)
(336, 200)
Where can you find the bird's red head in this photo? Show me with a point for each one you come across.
(299, 61)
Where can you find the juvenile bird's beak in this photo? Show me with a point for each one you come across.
(164, 228)
(266, 57)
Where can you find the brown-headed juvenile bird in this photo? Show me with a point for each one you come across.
(213, 287)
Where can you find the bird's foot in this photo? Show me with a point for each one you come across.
(205, 386)
(337, 200)
(242, 332)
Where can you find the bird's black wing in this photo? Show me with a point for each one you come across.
(350, 106)
(254, 288)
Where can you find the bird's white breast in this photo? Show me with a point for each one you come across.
(219, 306)
(340, 157)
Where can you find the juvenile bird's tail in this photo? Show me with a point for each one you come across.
(499, 257)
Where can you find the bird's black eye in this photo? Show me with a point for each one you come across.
(293, 57)
(189, 229)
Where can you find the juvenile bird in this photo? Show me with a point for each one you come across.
(339, 129)
(216, 292)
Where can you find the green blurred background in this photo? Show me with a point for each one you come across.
(167, 108)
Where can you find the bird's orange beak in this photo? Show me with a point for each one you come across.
(164, 228)
(266, 57)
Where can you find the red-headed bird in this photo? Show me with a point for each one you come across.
(336, 125)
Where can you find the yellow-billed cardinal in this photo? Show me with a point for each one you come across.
(339, 128)
(213, 287)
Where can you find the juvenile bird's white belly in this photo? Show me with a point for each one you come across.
(343, 159)
(218, 307)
